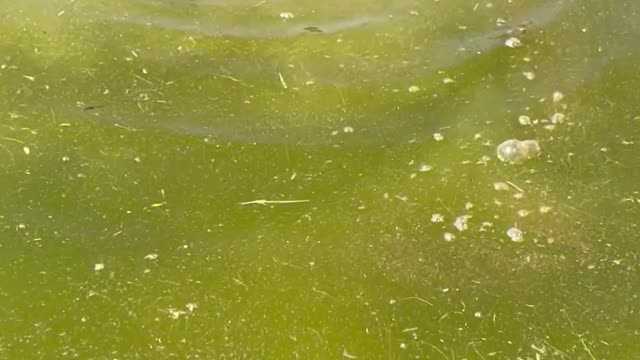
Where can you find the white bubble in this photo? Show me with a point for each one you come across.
(515, 151)
(515, 234)
(513, 42)
(461, 222)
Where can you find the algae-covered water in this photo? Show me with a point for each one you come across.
(214, 179)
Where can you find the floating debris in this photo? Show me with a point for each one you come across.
(314, 29)
(461, 222)
(524, 120)
(515, 151)
(98, 267)
(515, 235)
(438, 137)
(544, 209)
(449, 236)
(501, 186)
(486, 226)
(557, 96)
(414, 88)
(513, 42)
(557, 118)
(530, 75)
(151, 256)
(175, 313)
(437, 218)
(424, 168)
(286, 15)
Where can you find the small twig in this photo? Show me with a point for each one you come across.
(417, 298)
(267, 202)
(515, 186)
(284, 84)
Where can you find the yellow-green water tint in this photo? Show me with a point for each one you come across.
(302, 180)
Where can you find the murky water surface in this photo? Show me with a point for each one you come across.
(279, 179)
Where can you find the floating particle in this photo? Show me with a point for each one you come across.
(449, 236)
(500, 22)
(515, 151)
(515, 234)
(438, 137)
(468, 206)
(513, 42)
(98, 267)
(530, 75)
(523, 212)
(501, 186)
(543, 209)
(518, 196)
(347, 129)
(484, 160)
(524, 120)
(414, 88)
(66, 158)
(26, 150)
(486, 225)
(461, 222)
(437, 218)
(448, 80)
(424, 168)
(191, 307)
(477, 314)
(151, 256)
(557, 96)
(286, 15)
(175, 313)
(557, 118)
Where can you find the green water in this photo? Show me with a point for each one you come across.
(210, 180)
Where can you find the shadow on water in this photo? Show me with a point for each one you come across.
(272, 86)
(259, 92)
